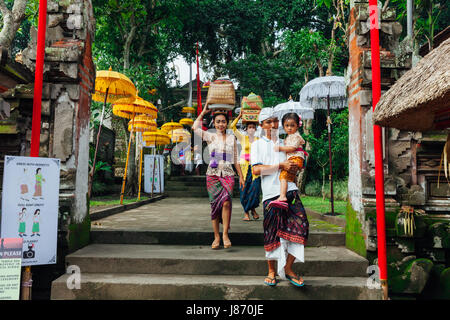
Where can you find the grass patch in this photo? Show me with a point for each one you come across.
(114, 200)
(323, 206)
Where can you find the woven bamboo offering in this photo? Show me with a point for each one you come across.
(251, 107)
(221, 95)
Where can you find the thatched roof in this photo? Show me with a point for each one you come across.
(413, 101)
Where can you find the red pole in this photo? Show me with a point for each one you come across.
(36, 119)
(199, 92)
(378, 145)
(38, 78)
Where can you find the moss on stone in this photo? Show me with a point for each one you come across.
(444, 284)
(354, 235)
(389, 217)
(410, 275)
(79, 233)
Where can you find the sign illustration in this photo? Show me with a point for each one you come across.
(30, 206)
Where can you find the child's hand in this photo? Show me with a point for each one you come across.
(276, 148)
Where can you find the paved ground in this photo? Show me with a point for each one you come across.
(188, 214)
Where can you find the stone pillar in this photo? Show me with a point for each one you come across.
(361, 215)
(69, 75)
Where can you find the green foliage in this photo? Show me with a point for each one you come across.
(318, 204)
(429, 18)
(340, 189)
(273, 79)
(318, 139)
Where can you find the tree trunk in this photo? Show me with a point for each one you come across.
(127, 46)
(332, 50)
(11, 21)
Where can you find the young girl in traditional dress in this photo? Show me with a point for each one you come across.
(22, 216)
(35, 229)
(294, 153)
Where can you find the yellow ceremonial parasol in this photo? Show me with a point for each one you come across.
(179, 135)
(153, 139)
(190, 110)
(187, 122)
(169, 126)
(109, 87)
(129, 110)
(142, 123)
(124, 109)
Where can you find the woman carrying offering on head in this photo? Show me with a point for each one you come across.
(220, 174)
(249, 194)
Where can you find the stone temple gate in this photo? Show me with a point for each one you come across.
(411, 160)
(69, 75)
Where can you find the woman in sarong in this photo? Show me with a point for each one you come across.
(38, 186)
(220, 174)
(249, 194)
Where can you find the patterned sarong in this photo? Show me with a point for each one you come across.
(249, 195)
(220, 190)
(291, 224)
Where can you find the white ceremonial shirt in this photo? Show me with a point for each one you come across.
(262, 152)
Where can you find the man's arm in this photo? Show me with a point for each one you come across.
(264, 170)
(286, 149)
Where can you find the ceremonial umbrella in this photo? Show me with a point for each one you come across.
(187, 121)
(328, 92)
(179, 135)
(295, 107)
(141, 123)
(128, 110)
(153, 139)
(110, 86)
(188, 110)
(169, 126)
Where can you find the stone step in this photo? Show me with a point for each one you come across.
(122, 286)
(202, 260)
(190, 194)
(193, 237)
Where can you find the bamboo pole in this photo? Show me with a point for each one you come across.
(153, 176)
(126, 164)
(140, 172)
(330, 155)
(161, 175)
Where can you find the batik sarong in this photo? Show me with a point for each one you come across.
(249, 195)
(285, 231)
(220, 190)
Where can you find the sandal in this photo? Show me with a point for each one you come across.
(297, 284)
(255, 216)
(272, 281)
(226, 244)
(215, 246)
(246, 218)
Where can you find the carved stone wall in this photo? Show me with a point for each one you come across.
(411, 159)
(69, 75)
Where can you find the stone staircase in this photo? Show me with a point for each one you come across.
(154, 265)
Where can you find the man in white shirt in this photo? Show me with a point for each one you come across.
(285, 231)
